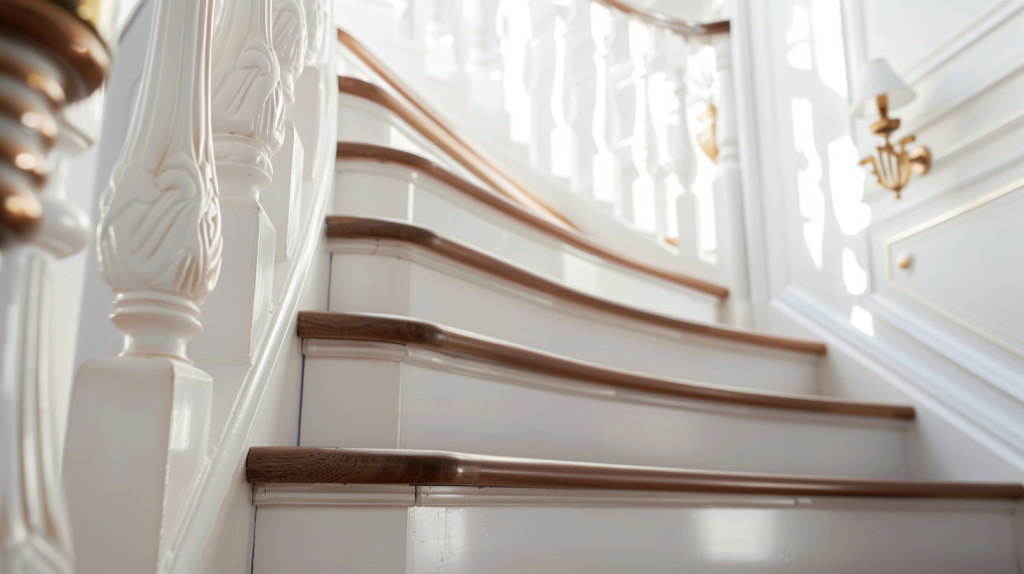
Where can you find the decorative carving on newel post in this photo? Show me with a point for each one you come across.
(137, 433)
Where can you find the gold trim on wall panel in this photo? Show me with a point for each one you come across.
(923, 299)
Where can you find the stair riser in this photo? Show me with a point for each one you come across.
(399, 279)
(377, 395)
(473, 530)
(367, 189)
(362, 121)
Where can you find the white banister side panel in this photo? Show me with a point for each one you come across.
(138, 427)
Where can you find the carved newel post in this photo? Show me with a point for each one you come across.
(137, 434)
(248, 113)
(49, 57)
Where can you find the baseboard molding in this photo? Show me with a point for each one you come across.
(931, 391)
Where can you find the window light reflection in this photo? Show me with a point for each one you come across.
(737, 534)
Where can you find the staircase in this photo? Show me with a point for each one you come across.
(509, 331)
(489, 390)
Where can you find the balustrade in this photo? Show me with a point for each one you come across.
(203, 203)
(657, 146)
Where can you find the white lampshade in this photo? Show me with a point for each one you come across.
(879, 79)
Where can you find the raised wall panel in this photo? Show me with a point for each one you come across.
(966, 264)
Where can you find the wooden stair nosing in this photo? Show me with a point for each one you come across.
(369, 152)
(427, 335)
(346, 227)
(310, 465)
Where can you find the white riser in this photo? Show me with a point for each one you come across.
(486, 530)
(397, 279)
(363, 121)
(378, 395)
(370, 189)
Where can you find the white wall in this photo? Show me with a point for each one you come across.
(947, 333)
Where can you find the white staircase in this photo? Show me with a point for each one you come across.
(613, 423)
(462, 287)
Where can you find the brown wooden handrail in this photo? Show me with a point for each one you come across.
(430, 336)
(665, 21)
(381, 154)
(313, 465)
(432, 125)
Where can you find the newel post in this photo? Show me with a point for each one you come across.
(137, 436)
(49, 58)
(729, 216)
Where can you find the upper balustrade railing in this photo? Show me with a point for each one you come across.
(624, 104)
(630, 108)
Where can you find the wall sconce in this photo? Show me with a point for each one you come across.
(883, 90)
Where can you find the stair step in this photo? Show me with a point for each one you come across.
(420, 191)
(387, 382)
(399, 511)
(419, 115)
(391, 267)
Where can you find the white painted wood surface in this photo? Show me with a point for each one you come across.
(512, 530)
(368, 189)
(377, 276)
(377, 395)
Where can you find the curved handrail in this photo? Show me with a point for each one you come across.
(480, 165)
(665, 21)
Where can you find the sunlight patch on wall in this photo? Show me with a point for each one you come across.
(846, 181)
(812, 199)
(828, 44)
(853, 275)
(798, 38)
(862, 320)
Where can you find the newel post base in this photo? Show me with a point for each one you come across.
(137, 438)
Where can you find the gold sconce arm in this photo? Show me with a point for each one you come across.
(892, 167)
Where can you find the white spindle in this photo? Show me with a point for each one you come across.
(604, 165)
(729, 216)
(563, 97)
(515, 31)
(138, 426)
(678, 155)
(647, 189)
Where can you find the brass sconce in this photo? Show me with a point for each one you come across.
(882, 89)
(706, 135)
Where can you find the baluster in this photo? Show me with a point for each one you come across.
(248, 112)
(563, 98)
(138, 429)
(48, 59)
(515, 32)
(462, 48)
(647, 189)
(282, 199)
(605, 166)
(678, 155)
(729, 217)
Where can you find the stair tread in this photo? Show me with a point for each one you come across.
(360, 151)
(347, 227)
(310, 465)
(424, 334)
